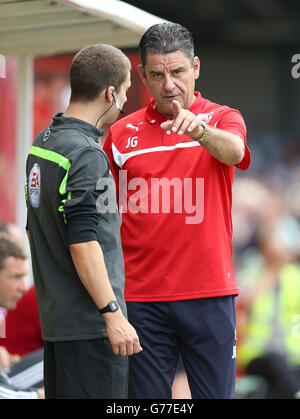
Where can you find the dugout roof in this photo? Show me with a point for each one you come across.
(46, 27)
(43, 27)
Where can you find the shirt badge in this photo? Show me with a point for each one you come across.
(34, 185)
(205, 117)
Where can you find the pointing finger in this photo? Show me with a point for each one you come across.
(176, 107)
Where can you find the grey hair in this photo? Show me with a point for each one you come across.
(164, 38)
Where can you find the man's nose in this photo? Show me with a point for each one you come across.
(169, 84)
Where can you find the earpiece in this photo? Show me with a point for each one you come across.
(122, 111)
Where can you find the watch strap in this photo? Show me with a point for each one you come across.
(111, 307)
(205, 132)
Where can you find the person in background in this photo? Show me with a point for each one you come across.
(13, 231)
(23, 333)
(269, 307)
(23, 326)
(13, 271)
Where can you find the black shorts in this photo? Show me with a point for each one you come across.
(86, 369)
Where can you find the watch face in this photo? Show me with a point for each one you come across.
(111, 307)
(114, 306)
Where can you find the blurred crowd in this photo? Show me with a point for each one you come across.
(266, 222)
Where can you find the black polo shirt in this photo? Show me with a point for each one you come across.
(70, 196)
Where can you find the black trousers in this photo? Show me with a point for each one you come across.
(86, 369)
(201, 330)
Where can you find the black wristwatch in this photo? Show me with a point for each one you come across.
(111, 307)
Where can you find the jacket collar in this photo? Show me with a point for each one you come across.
(61, 121)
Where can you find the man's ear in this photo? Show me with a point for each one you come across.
(196, 68)
(109, 93)
(142, 74)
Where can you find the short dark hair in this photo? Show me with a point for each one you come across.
(94, 68)
(10, 247)
(164, 38)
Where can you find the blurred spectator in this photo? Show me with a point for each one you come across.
(13, 270)
(263, 202)
(269, 315)
(12, 230)
(23, 326)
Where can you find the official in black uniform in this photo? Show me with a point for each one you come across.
(74, 233)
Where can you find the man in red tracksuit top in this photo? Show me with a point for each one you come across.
(174, 164)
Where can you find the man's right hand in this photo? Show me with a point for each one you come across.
(122, 336)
